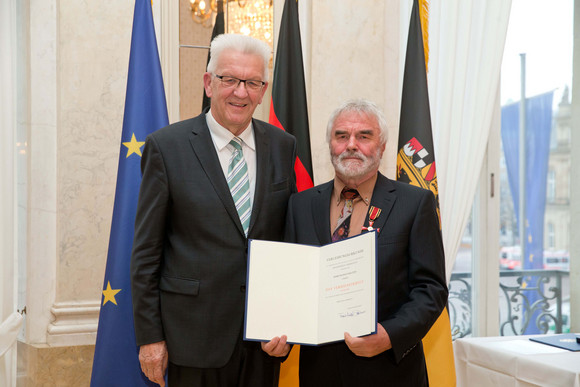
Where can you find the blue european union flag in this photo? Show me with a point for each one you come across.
(539, 124)
(537, 143)
(116, 361)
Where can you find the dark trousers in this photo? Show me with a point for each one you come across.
(334, 365)
(249, 366)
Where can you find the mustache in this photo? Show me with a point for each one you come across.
(351, 154)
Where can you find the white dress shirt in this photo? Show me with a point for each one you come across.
(221, 138)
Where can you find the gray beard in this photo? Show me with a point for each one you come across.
(354, 169)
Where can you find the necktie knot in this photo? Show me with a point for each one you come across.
(236, 143)
(349, 193)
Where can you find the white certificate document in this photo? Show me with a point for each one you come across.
(311, 294)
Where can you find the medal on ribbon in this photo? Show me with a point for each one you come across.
(374, 213)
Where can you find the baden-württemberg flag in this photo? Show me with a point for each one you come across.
(116, 361)
(416, 166)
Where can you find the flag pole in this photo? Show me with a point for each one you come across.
(522, 160)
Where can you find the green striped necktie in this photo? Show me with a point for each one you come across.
(239, 183)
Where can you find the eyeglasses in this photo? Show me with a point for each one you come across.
(251, 84)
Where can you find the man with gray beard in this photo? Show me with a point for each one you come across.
(411, 285)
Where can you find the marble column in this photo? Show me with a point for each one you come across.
(76, 69)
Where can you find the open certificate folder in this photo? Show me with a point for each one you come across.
(311, 294)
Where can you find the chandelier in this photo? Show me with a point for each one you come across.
(248, 17)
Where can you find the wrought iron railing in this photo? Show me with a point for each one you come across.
(459, 305)
(527, 298)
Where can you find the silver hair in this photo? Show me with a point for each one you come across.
(360, 106)
(239, 43)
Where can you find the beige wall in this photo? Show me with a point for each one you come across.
(93, 56)
(354, 53)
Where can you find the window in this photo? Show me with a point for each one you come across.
(551, 190)
(537, 239)
(492, 297)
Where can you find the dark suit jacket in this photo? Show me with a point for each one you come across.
(188, 265)
(411, 286)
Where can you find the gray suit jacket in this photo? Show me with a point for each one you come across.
(411, 287)
(188, 265)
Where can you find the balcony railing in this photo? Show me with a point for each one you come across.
(528, 298)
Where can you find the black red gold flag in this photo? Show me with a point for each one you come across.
(288, 109)
(289, 112)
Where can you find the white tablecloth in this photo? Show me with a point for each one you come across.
(514, 361)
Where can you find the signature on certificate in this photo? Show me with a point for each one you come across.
(352, 313)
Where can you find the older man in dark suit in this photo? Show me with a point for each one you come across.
(209, 184)
(411, 284)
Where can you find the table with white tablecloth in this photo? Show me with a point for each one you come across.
(514, 361)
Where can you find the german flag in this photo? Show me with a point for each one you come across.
(288, 109)
(416, 166)
(289, 112)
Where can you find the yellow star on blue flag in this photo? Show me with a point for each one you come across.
(134, 146)
(110, 294)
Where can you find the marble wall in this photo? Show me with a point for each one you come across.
(43, 366)
(354, 54)
(93, 57)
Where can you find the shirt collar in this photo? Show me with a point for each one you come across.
(365, 189)
(222, 137)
